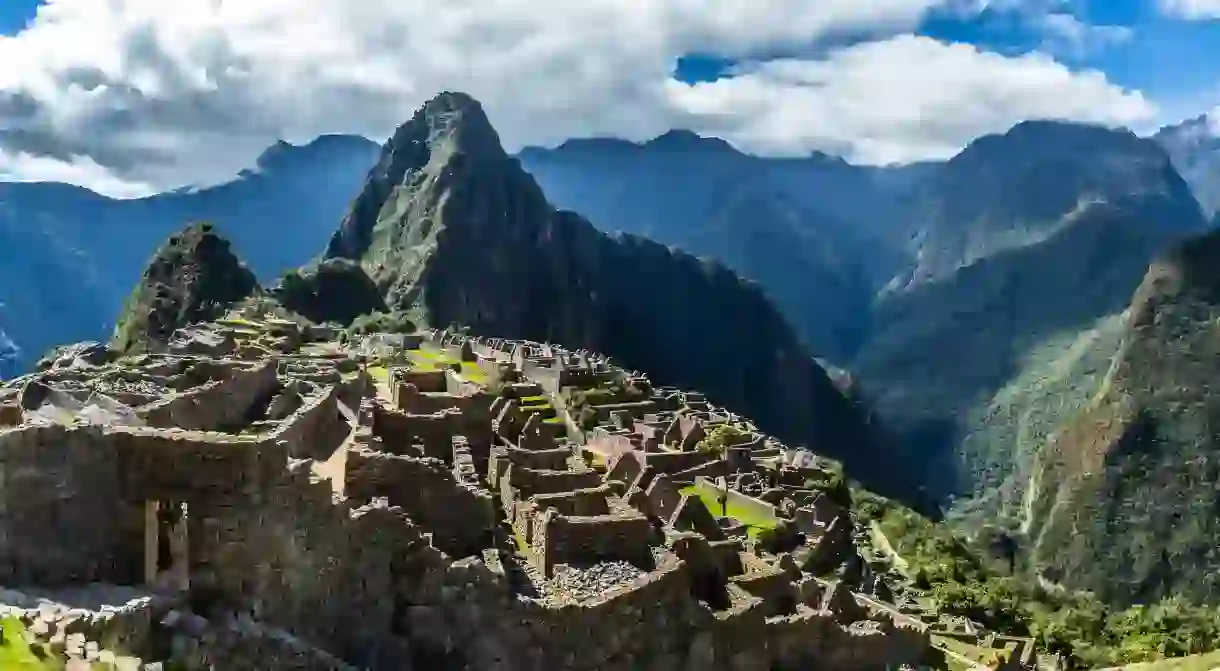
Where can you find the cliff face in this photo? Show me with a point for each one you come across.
(194, 277)
(1125, 502)
(454, 232)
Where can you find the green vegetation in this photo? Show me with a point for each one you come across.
(755, 523)
(379, 373)
(430, 359)
(1205, 662)
(382, 322)
(961, 579)
(581, 402)
(719, 439)
(194, 277)
(336, 290)
(15, 653)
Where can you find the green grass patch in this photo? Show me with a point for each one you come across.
(521, 544)
(379, 373)
(15, 653)
(534, 400)
(553, 420)
(754, 522)
(429, 360)
(1204, 662)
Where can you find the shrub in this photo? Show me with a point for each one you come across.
(381, 322)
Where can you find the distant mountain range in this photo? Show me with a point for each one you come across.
(1195, 147)
(69, 257)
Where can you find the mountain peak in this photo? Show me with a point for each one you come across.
(447, 138)
(680, 139)
(193, 277)
(285, 156)
(451, 122)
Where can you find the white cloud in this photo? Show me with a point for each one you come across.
(1070, 36)
(82, 170)
(125, 94)
(1191, 10)
(902, 99)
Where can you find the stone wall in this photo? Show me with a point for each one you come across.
(62, 517)
(560, 539)
(673, 462)
(554, 459)
(459, 517)
(530, 482)
(408, 433)
(299, 560)
(424, 380)
(581, 503)
(413, 401)
(317, 429)
(664, 496)
(222, 404)
(814, 639)
(199, 645)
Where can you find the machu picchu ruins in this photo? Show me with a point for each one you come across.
(269, 494)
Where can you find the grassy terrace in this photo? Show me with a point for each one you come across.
(428, 358)
(754, 523)
(16, 655)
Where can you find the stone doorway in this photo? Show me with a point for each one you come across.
(166, 546)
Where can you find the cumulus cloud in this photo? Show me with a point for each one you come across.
(1191, 10)
(899, 100)
(124, 95)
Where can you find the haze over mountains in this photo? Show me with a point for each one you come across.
(68, 257)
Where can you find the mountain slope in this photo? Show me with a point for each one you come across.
(1024, 243)
(810, 231)
(1194, 146)
(68, 256)
(194, 277)
(454, 232)
(1127, 496)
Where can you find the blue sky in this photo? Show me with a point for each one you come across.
(1175, 62)
(15, 13)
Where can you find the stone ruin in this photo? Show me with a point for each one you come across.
(255, 498)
